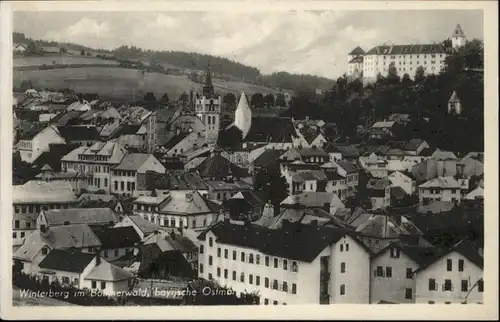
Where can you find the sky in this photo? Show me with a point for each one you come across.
(303, 42)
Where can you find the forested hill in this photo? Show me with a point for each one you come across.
(195, 62)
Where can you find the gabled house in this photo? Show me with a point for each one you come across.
(306, 155)
(454, 276)
(405, 181)
(244, 204)
(125, 175)
(117, 242)
(142, 226)
(170, 241)
(379, 192)
(327, 201)
(39, 243)
(82, 135)
(393, 270)
(442, 189)
(269, 159)
(339, 151)
(374, 164)
(37, 141)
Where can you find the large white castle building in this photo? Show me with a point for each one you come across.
(406, 58)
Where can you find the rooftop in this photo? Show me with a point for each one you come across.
(57, 217)
(67, 261)
(43, 192)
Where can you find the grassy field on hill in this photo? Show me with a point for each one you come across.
(124, 84)
(60, 60)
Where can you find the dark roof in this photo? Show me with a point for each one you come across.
(427, 152)
(357, 51)
(119, 237)
(294, 241)
(358, 59)
(54, 155)
(419, 254)
(465, 248)
(125, 129)
(348, 166)
(79, 133)
(347, 150)
(31, 131)
(267, 157)
(174, 180)
(164, 264)
(407, 49)
(66, 118)
(175, 140)
(271, 129)
(218, 167)
(397, 192)
(65, 260)
(413, 144)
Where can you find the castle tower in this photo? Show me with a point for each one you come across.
(458, 38)
(454, 105)
(208, 109)
(243, 116)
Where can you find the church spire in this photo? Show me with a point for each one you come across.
(208, 88)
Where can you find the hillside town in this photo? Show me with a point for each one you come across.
(137, 205)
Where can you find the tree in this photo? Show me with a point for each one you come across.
(272, 185)
(269, 100)
(150, 100)
(184, 98)
(406, 79)
(280, 100)
(419, 74)
(229, 100)
(257, 100)
(165, 99)
(392, 76)
(82, 53)
(31, 47)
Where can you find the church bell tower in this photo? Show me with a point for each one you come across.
(208, 109)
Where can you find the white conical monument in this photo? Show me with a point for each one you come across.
(243, 116)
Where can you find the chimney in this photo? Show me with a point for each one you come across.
(43, 229)
(172, 234)
(98, 257)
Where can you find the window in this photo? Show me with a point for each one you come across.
(257, 280)
(234, 275)
(234, 255)
(431, 302)
(218, 251)
(460, 265)
(14, 235)
(243, 257)
(210, 277)
(409, 273)
(266, 282)
(388, 272)
(201, 268)
(242, 277)
(266, 301)
(275, 302)
(285, 264)
(465, 285)
(275, 263)
(250, 258)
(294, 288)
(408, 294)
(210, 242)
(210, 260)
(342, 289)
(432, 284)
(226, 253)
(45, 251)
(105, 253)
(379, 271)
(257, 259)
(395, 252)
(250, 279)
(295, 266)
(341, 247)
(275, 284)
(342, 267)
(285, 287)
(16, 224)
(116, 252)
(267, 261)
(447, 285)
(218, 271)
(449, 265)
(202, 248)
(480, 286)
(346, 247)
(94, 284)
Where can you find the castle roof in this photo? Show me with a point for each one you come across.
(357, 51)
(454, 98)
(407, 49)
(458, 32)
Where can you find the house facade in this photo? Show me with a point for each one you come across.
(31, 145)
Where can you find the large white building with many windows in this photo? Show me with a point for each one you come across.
(405, 58)
(296, 264)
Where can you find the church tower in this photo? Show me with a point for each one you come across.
(458, 37)
(208, 109)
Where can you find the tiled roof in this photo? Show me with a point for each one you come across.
(458, 32)
(218, 167)
(175, 140)
(419, 254)
(296, 241)
(117, 237)
(312, 152)
(168, 241)
(378, 184)
(125, 129)
(413, 144)
(314, 199)
(144, 225)
(91, 216)
(67, 261)
(316, 175)
(357, 51)
(443, 155)
(43, 192)
(132, 161)
(441, 182)
(78, 133)
(108, 272)
(182, 202)
(407, 49)
(357, 60)
(267, 157)
(347, 150)
(65, 118)
(54, 155)
(348, 166)
(271, 129)
(397, 192)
